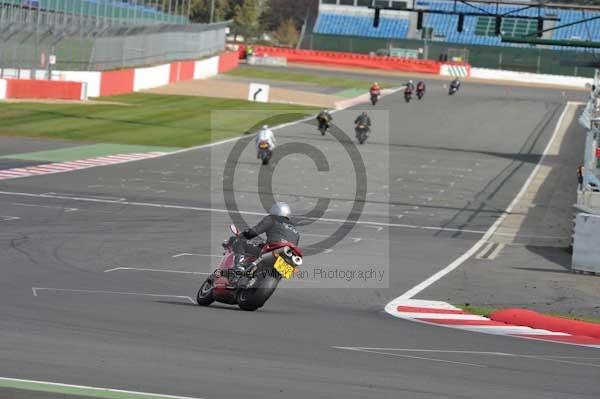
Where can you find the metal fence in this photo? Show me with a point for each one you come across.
(57, 35)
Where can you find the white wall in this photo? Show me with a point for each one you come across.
(206, 68)
(91, 79)
(148, 78)
(586, 250)
(497, 74)
(2, 89)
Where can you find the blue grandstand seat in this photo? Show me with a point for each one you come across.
(444, 26)
(352, 25)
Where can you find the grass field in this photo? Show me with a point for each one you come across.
(145, 119)
(290, 76)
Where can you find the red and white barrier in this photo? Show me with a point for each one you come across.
(42, 89)
(148, 78)
(113, 83)
(353, 60)
(206, 68)
(109, 83)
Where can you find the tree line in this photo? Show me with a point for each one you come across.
(281, 19)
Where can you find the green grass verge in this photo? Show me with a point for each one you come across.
(146, 119)
(487, 310)
(299, 77)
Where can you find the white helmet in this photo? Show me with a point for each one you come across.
(265, 127)
(280, 209)
(410, 81)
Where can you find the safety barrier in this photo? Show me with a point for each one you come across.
(113, 83)
(526, 77)
(110, 83)
(42, 89)
(228, 61)
(455, 70)
(349, 59)
(183, 70)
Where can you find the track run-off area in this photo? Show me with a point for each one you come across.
(101, 265)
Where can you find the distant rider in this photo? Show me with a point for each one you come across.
(324, 118)
(277, 226)
(421, 86)
(265, 134)
(455, 83)
(375, 90)
(410, 87)
(363, 119)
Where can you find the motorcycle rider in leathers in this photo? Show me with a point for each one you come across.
(277, 226)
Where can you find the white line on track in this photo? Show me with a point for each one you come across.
(193, 254)
(36, 385)
(431, 359)
(557, 359)
(140, 269)
(484, 250)
(45, 206)
(36, 289)
(8, 218)
(496, 252)
(120, 201)
(459, 261)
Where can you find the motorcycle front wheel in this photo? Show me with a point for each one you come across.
(205, 295)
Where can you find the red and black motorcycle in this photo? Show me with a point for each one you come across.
(263, 271)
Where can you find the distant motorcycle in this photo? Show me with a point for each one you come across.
(264, 152)
(453, 88)
(407, 95)
(362, 132)
(420, 93)
(323, 127)
(267, 265)
(375, 97)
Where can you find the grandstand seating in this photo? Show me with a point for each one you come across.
(354, 25)
(127, 11)
(476, 30)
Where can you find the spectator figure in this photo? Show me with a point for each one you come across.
(580, 177)
(249, 52)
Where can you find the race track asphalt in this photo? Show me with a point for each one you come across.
(439, 172)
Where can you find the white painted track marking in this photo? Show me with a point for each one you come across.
(193, 254)
(552, 358)
(484, 250)
(431, 359)
(459, 261)
(496, 251)
(36, 289)
(122, 201)
(88, 388)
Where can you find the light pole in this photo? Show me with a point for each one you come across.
(212, 10)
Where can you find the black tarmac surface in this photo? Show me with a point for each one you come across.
(77, 308)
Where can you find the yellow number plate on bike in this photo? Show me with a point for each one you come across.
(284, 268)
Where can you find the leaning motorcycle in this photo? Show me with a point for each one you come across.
(362, 132)
(453, 89)
(265, 267)
(264, 152)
